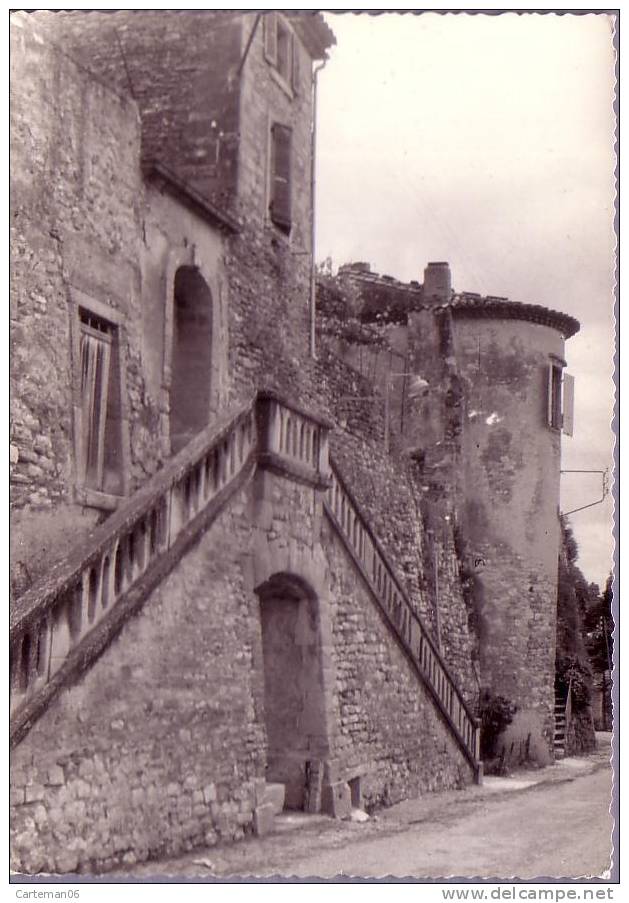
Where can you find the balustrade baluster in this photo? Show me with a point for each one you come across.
(208, 476)
(308, 447)
(301, 441)
(92, 594)
(140, 540)
(26, 648)
(153, 532)
(129, 546)
(118, 570)
(232, 454)
(14, 673)
(316, 447)
(74, 611)
(43, 647)
(105, 581)
(215, 460)
(224, 462)
(200, 486)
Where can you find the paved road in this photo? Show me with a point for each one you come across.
(554, 830)
(554, 823)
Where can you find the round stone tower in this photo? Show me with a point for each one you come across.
(487, 431)
(515, 402)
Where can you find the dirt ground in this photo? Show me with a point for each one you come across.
(553, 822)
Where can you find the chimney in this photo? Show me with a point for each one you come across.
(437, 283)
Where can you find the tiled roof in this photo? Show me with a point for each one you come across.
(468, 304)
(493, 306)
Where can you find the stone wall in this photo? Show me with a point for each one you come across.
(387, 732)
(75, 192)
(181, 68)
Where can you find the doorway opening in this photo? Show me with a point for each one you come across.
(293, 689)
(191, 373)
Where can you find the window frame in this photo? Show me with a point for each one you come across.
(560, 397)
(85, 494)
(273, 24)
(285, 226)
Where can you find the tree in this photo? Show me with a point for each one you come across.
(599, 625)
(574, 598)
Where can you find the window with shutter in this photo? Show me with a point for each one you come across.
(555, 407)
(96, 338)
(280, 201)
(98, 410)
(281, 51)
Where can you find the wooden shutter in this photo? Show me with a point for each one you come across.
(568, 404)
(280, 207)
(270, 37)
(95, 359)
(295, 66)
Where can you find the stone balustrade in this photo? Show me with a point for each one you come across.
(63, 622)
(292, 440)
(53, 621)
(379, 575)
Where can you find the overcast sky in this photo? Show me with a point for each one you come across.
(486, 141)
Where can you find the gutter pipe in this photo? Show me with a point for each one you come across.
(315, 73)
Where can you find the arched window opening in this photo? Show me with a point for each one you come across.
(191, 357)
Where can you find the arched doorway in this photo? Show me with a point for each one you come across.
(293, 687)
(191, 364)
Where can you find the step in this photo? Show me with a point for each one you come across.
(274, 795)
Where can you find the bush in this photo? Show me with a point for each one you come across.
(572, 672)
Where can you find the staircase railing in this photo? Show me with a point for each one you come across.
(379, 575)
(63, 622)
(60, 625)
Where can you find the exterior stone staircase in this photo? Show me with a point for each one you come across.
(62, 624)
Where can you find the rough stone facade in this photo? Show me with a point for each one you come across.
(74, 228)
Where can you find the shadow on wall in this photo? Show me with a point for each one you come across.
(523, 743)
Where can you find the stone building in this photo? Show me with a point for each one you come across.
(240, 572)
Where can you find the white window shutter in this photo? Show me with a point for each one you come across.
(568, 404)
